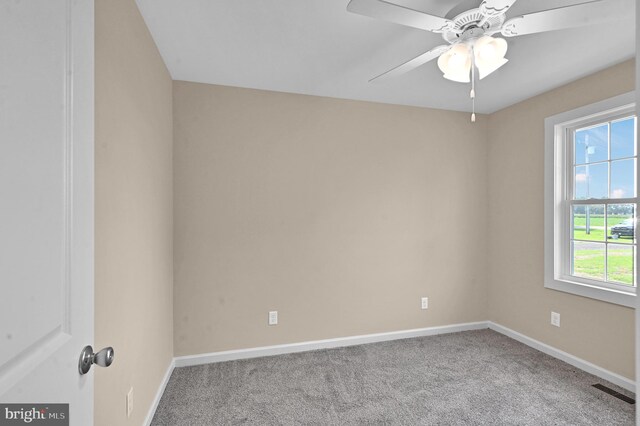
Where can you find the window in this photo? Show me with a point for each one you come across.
(591, 201)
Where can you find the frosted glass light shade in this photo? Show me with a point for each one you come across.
(489, 54)
(486, 70)
(456, 63)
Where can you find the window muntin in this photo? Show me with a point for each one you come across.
(601, 203)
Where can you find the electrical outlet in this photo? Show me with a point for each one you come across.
(273, 318)
(130, 402)
(555, 319)
(425, 303)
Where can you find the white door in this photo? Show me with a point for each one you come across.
(46, 202)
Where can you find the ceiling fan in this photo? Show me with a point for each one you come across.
(469, 35)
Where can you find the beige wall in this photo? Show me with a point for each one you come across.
(134, 273)
(598, 332)
(338, 214)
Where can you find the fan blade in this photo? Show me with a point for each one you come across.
(386, 11)
(563, 17)
(491, 8)
(415, 62)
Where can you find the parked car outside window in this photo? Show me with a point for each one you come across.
(623, 229)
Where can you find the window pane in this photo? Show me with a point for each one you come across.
(591, 181)
(588, 260)
(620, 263)
(591, 144)
(623, 178)
(623, 138)
(580, 183)
(588, 222)
(621, 223)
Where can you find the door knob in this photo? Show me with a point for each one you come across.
(103, 358)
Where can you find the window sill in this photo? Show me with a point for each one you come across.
(585, 290)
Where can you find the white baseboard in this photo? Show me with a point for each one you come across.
(580, 363)
(207, 358)
(156, 400)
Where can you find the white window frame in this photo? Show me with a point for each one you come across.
(558, 129)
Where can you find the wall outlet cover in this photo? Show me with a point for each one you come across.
(273, 318)
(555, 319)
(424, 303)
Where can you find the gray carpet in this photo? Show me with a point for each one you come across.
(475, 377)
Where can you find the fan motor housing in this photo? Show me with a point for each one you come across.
(471, 33)
(472, 24)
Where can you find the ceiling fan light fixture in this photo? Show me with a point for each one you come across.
(489, 54)
(489, 48)
(456, 63)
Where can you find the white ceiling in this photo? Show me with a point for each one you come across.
(316, 47)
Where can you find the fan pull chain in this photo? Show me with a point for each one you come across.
(472, 94)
